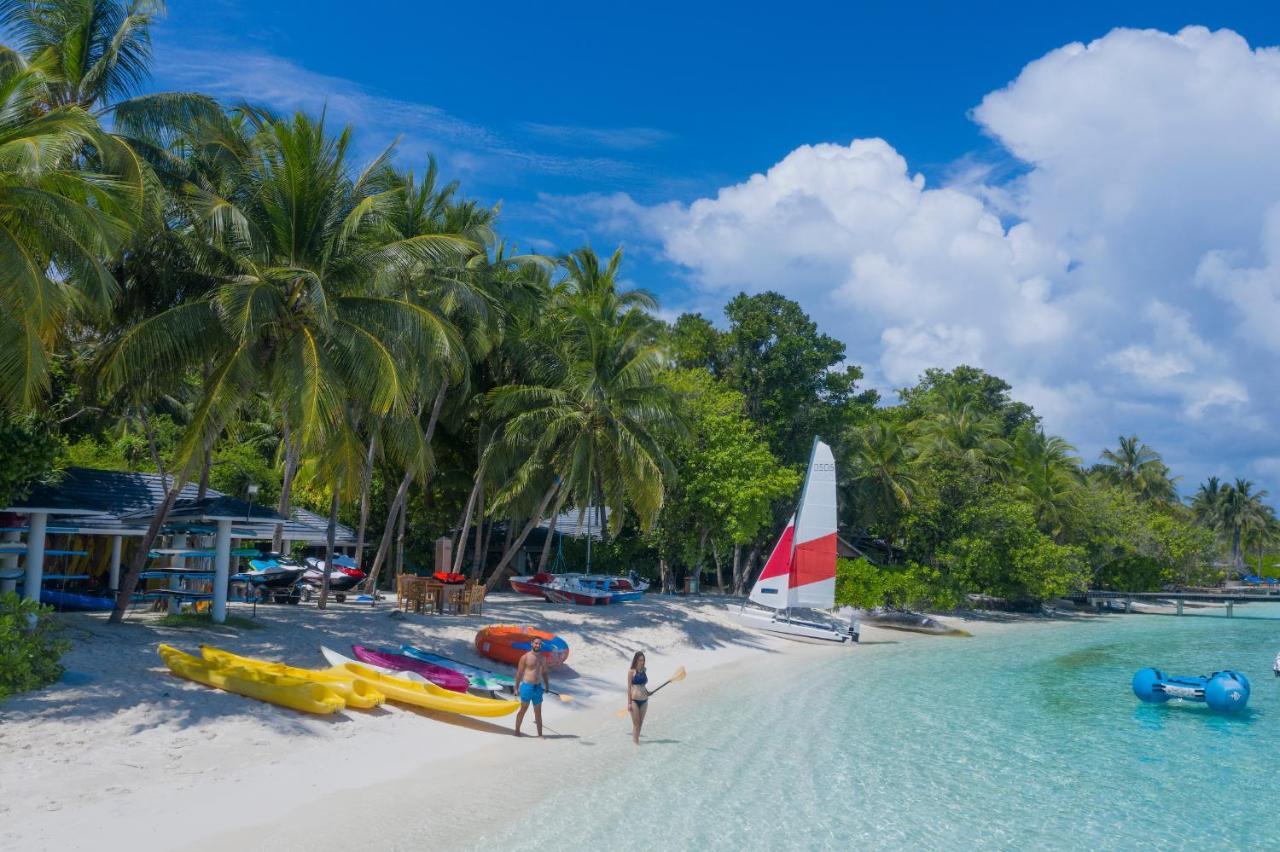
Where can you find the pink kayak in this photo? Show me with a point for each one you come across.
(438, 675)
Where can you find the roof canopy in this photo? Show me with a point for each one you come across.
(109, 502)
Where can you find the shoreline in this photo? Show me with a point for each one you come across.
(120, 737)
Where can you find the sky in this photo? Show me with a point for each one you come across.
(1081, 199)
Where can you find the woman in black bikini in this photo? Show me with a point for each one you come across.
(637, 694)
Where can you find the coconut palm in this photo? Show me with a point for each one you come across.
(58, 225)
(306, 308)
(1048, 474)
(881, 472)
(1206, 505)
(1243, 511)
(590, 419)
(957, 427)
(1139, 469)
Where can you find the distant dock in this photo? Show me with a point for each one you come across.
(1107, 599)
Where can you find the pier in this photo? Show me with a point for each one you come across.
(1099, 599)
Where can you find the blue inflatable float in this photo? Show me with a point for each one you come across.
(1226, 691)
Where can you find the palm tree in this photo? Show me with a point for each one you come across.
(1048, 474)
(882, 460)
(959, 428)
(1206, 505)
(58, 223)
(1243, 511)
(1139, 469)
(305, 309)
(590, 419)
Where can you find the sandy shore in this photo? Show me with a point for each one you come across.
(124, 755)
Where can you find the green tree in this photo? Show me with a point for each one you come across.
(1242, 512)
(727, 479)
(984, 393)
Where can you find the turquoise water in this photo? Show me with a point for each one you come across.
(1026, 739)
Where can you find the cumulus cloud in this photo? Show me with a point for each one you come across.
(1127, 279)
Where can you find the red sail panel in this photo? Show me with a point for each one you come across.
(814, 561)
(780, 560)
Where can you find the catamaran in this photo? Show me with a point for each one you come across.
(801, 571)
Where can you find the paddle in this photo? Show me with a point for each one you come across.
(675, 678)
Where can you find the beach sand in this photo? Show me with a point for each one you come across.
(122, 754)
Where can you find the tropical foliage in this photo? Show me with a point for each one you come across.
(232, 297)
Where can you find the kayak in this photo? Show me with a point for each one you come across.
(481, 679)
(73, 601)
(354, 692)
(291, 692)
(395, 661)
(412, 688)
(507, 643)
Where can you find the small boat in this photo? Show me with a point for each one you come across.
(69, 601)
(412, 688)
(534, 585)
(355, 693)
(481, 679)
(801, 571)
(1225, 691)
(579, 596)
(507, 643)
(395, 661)
(291, 692)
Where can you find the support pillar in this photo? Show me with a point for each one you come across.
(1128, 604)
(1230, 606)
(1179, 606)
(221, 570)
(113, 570)
(175, 582)
(34, 562)
(9, 564)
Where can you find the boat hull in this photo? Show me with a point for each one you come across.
(579, 598)
(507, 643)
(800, 630)
(291, 692)
(526, 586)
(401, 687)
(481, 679)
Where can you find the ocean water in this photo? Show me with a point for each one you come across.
(1025, 739)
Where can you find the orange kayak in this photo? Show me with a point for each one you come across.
(507, 643)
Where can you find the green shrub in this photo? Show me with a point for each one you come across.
(29, 656)
(861, 584)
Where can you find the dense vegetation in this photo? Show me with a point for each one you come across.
(224, 295)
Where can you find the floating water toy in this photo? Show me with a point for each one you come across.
(1225, 691)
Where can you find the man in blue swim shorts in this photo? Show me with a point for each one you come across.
(531, 675)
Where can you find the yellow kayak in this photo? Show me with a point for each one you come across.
(354, 692)
(418, 692)
(289, 692)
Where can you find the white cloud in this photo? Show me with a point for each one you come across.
(465, 148)
(1126, 280)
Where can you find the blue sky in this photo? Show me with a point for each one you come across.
(1093, 222)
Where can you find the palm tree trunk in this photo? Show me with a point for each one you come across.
(384, 545)
(519, 542)
(482, 541)
(389, 529)
(203, 488)
(366, 484)
(152, 446)
(715, 556)
(511, 533)
(1236, 559)
(129, 582)
(668, 579)
(291, 458)
(747, 570)
(404, 511)
(551, 533)
(331, 533)
(737, 568)
(459, 552)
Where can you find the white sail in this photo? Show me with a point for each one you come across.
(812, 578)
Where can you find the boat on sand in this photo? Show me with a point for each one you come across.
(396, 661)
(507, 643)
(801, 572)
(413, 689)
(291, 692)
(353, 692)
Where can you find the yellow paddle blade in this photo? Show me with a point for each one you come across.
(678, 676)
(565, 698)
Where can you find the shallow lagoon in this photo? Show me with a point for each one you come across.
(1023, 738)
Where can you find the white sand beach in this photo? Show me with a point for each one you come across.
(122, 754)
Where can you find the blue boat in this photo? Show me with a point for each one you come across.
(70, 601)
(1225, 691)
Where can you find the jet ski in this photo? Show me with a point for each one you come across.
(276, 576)
(341, 578)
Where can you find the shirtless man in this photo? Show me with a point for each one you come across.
(531, 675)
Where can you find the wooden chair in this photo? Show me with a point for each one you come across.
(471, 599)
(430, 594)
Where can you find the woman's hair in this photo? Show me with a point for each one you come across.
(635, 661)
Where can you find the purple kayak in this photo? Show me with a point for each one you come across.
(438, 675)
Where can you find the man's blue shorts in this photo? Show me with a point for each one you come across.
(531, 692)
